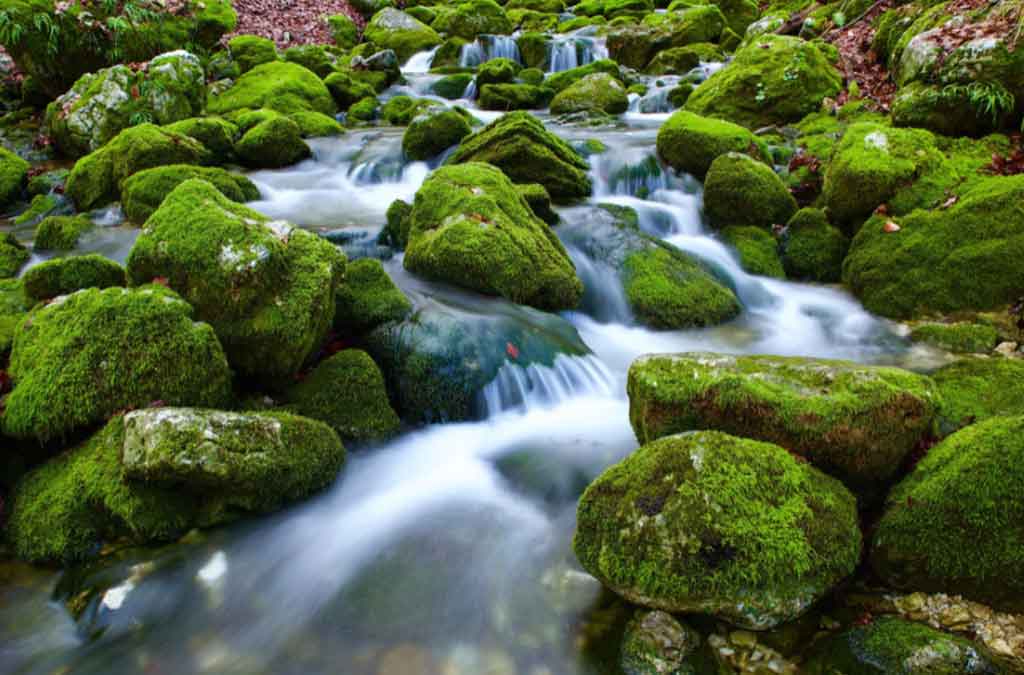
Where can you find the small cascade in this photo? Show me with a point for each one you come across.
(487, 47)
(656, 98)
(419, 62)
(630, 172)
(470, 92)
(518, 388)
(574, 50)
(604, 297)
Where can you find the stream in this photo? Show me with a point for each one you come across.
(448, 549)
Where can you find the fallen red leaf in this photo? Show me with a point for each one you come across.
(511, 350)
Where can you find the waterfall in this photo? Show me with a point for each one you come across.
(656, 98)
(487, 47)
(634, 173)
(419, 62)
(535, 386)
(573, 50)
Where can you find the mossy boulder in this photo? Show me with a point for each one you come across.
(497, 71)
(634, 45)
(467, 20)
(267, 287)
(757, 249)
(13, 177)
(812, 249)
(13, 308)
(739, 190)
(100, 105)
(469, 226)
(598, 92)
(153, 474)
(506, 97)
(681, 60)
(961, 337)
(943, 260)
(316, 125)
(249, 51)
(771, 80)
(96, 179)
(346, 89)
(346, 391)
(368, 298)
(452, 86)
(280, 86)
(393, 29)
(434, 131)
(363, 112)
(858, 423)
(976, 389)
(711, 523)
(690, 142)
(519, 145)
(317, 58)
(954, 524)
(272, 144)
(559, 81)
(344, 30)
(60, 233)
(68, 362)
(13, 256)
(215, 133)
(143, 192)
(400, 110)
(62, 276)
(889, 644)
(540, 202)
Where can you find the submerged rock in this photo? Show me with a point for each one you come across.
(710, 523)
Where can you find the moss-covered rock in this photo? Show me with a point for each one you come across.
(959, 338)
(393, 29)
(155, 473)
(976, 389)
(344, 30)
(363, 112)
(143, 192)
(215, 133)
(634, 45)
(690, 143)
(347, 90)
(475, 17)
(889, 644)
(346, 391)
(400, 110)
(855, 422)
(452, 86)
(266, 287)
(739, 190)
(681, 60)
(812, 249)
(497, 71)
(395, 232)
(13, 177)
(13, 255)
(710, 523)
(598, 92)
(434, 131)
(60, 233)
(654, 642)
(757, 249)
(13, 308)
(540, 202)
(272, 144)
(944, 260)
(280, 86)
(470, 227)
(368, 298)
(506, 97)
(519, 145)
(96, 179)
(316, 125)
(249, 51)
(771, 80)
(317, 58)
(68, 362)
(954, 524)
(62, 276)
(559, 81)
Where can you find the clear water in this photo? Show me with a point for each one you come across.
(446, 550)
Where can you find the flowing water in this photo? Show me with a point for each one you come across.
(446, 550)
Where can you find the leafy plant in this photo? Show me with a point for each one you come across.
(989, 99)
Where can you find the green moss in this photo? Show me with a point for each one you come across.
(347, 90)
(62, 276)
(145, 191)
(945, 260)
(346, 391)
(757, 249)
(284, 87)
(393, 29)
(317, 58)
(13, 308)
(433, 132)
(598, 92)
(316, 125)
(739, 190)
(533, 49)
(453, 86)
(540, 202)
(855, 422)
(476, 17)
(668, 290)
(497, 71)
(363, 111)
(215, 133)
(710, 523)
(13, 177)
(565, 78)
(68, 361)
(272, 144)
(507, 97)
(960, 338)
(47, 182)
(681, 60)
(12, 256)
(519, 145)
(396, 232)
(634, 45)
(689, 142)
(41, 206)
(811, 249)
(953, 525)
(399, 110)
(470, 227)
(771, 80)
(976, 389)
(344, 31)
(368, 298)
(249, 51)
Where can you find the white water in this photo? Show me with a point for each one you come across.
(488, 47)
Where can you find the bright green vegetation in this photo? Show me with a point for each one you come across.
(316, 125)
(598, 92)
(272, 144)
(96, 178)
(472, 228)
(281, 86)
(954, 524)
(540, 202)
(61, 233)
(711, 523)
(69, 361)
(812, 249)
(690, 143)
(249, 51)
(266, 287)
(890, 645)
(393, 29)
(519, 145)
(668, 289)
(959, 338)
(317, 58)
(363, 111)
(453, 86)
(347, 90)
(432, 132)
(13, 177)
(772, 80)
(497, 71)
(62, 276)
(13, 308)
(976, 389)
(215, 133)
(964, 257)
(681, 60)
(757, 249)
(559, 81)
(368, 298)
(12, 256)
(475, 17)
(143, 192)
(855, 422)
(346, 391)
(634, 45)
(508, 97)
(739, 190)
(343, 30)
